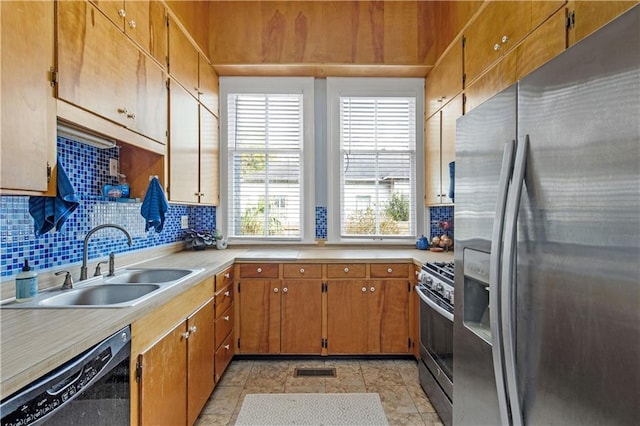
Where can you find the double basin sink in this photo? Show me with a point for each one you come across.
(126, 288)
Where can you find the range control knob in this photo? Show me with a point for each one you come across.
(428, 280)
(438, 287)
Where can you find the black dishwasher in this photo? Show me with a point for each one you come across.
(91, 389)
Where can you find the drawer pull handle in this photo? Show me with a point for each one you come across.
(372, 289)
(226, 318)
(227, 275)
(193, 329)
(227, 347)
(259, 270)
(275, 290)
(302, 270)
(226, 293)
(389, 270)
(364, 289)
(346, 270)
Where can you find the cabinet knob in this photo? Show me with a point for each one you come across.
(227, 275)
(226, 318)
(496, 47)
(416, 273)
(284, 290)
(132, 24)
(441, 99)
(364, 289)
(505, 39)
(227, 347)
(131, 115)
(390, 270)
(302, 270)
(259, 270)
(226, 293)
(275, 290)
(193, 329)
(122, 13)
(372, 289)
(346, 270)
(185, 335)
(123, 111)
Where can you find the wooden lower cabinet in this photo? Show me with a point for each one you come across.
(367, 316)
(301, 317)
(259, 316)
(224, 320)
(223, 356)
(200, 353)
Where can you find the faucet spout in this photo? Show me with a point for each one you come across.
(83, 269)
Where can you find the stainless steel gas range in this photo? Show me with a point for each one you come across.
(435, 289)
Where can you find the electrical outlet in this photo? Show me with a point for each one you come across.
(113, 167)
(184, 222)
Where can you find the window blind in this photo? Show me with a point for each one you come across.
(378, 166)
(265, 143)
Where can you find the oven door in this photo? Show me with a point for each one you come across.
(436, 340)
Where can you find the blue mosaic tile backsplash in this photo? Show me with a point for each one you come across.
(88, 170)
(321, 223)
(437, 215)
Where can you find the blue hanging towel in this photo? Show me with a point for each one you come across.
(452, 180)
(50, 212)
(154, 206)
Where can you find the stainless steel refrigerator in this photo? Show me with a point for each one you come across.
(547, 252)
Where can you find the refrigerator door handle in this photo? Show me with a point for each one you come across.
(494, 279)
(508, 283)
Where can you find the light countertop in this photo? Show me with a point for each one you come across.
(34, 341)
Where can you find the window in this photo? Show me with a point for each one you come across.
(264, 141)
(375, 131)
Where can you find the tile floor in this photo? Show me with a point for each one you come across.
(396, 381)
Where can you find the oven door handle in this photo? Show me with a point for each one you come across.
(433, 305)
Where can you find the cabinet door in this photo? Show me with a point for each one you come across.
(200, 356)
(388, 316)
(259, 316)
(28, 131)
(445, 80)
(498, 27)
(591, 15)
(183, 146)
(163, 399)
(149, 100)
(92, 62)
(347, 307)
(432, 160)
(209, 158)
(301, 318)
(183, 59)
(208, 86)
(450, 114)
(145, 24)
(114, 9)
(223, 356)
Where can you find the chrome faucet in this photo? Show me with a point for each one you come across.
(83, 269)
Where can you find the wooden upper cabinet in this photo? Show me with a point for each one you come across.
(445, 80)
(100, 70)
(587, 16)
(114, 9)
(28, 106)
(543, 44)
(209, 158)
(208, 86)
(145, 23)
(183, 146)
(450, 113)
(432, 129)
(183, 59)
(499, 26)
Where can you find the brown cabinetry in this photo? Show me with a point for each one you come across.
(177, 371)
(28, 110)
(585, 17)
(224, 320)
(440, 137)
(445, 80)
(183, 59)
(100, 70)
(259, 315)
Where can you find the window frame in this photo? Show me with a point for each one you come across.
(370, 87)
(270, 85)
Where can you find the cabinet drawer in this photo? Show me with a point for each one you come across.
(224, 278)
(385, 270)
(223, 299)
(347, 270)
(224, 325)
(259, 270)
(302, 270)
(223, 356)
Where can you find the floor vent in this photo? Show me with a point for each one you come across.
(314, 372)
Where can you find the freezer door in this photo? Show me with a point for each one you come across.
(578, 288)
(481, 136)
